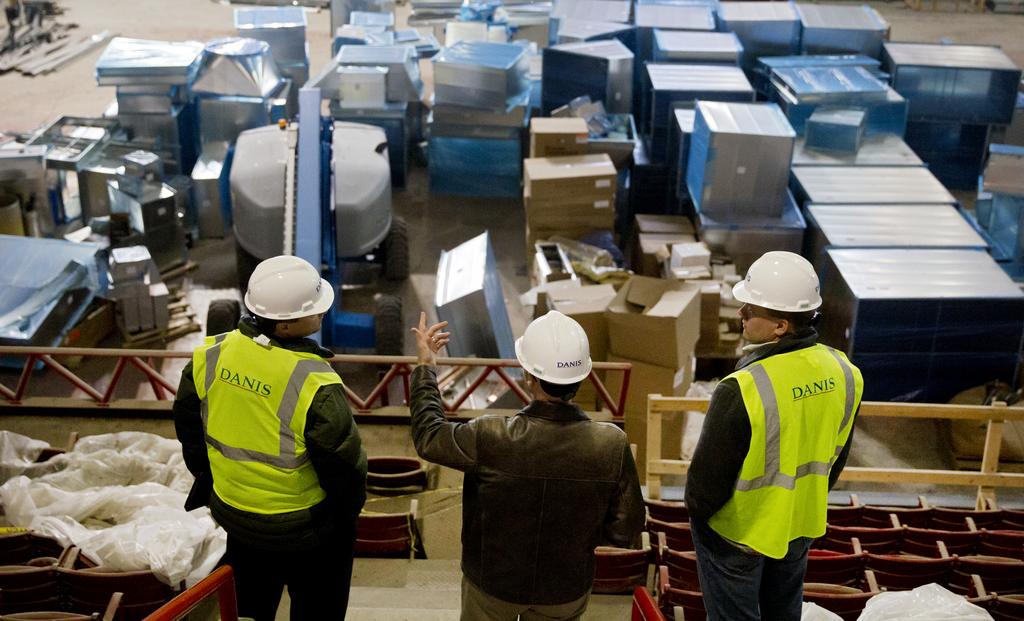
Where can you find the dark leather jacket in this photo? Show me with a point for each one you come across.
(542, 489)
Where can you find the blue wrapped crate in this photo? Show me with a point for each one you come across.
(841, 29)
(739, 159)
(682, 46)
(394, 119)
(679, 149)
(479, 73)
(799, 92)
(478, 167)
(866, 185)
(965, 83)
(763, 28)
(675, 86)
(922, 324)
(835, 129)
(744, 239)
(602, 70)
(954, 152)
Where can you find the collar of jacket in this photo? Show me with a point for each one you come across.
(553, 410)
(247, 326)
(791, 342)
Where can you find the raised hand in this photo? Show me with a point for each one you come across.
(429, 341)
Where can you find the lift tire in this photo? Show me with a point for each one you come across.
(222, 316)
(396, 251)
(389, 331)
(245, 265)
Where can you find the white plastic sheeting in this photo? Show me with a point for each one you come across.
(18, 455)
(931, 602)
(814, 612)
(120, 500)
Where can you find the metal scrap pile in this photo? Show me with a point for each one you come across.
(34, 42)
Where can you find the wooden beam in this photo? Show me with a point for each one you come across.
(653, 448)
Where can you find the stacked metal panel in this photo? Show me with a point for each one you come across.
(922, 324)
(956, 92)
(565, 11)
(999, 209)
(763, 28)
(153, 81)
(841, 29)
(284, 30)
(679, 150)
(674, 86)
(856, 185)
(239, 87)
(479, 81)
(47, 285)
(469, 297)
(799, 91)
(739, 159)
(877, 150)
(682, 46)
(835, 129)
(886, 226)
(601, 70)
(572, 30)
(745, 239)
(765, 66)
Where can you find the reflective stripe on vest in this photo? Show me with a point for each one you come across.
(773, 449)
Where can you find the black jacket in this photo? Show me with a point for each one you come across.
(542, 489)
(725, 438)
(334, 448)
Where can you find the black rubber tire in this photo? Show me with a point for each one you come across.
(222, 316)
(245, 265)
(389, 332)
(396, 251)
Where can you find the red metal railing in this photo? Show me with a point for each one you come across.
(399, 368)
(218, 586)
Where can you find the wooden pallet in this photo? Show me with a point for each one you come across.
(182, 322)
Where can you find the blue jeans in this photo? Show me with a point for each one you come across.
(742, 585)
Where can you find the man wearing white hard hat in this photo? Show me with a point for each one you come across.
(267, 432)
(542, 488)
(775, 439)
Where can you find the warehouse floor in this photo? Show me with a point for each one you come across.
(438, 223)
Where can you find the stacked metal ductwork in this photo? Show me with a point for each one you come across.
(284, 30)
(239, 87)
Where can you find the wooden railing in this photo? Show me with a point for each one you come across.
(987, 479)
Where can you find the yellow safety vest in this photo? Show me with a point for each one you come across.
(801, 406)
(254, 400)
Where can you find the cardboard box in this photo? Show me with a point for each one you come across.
(572, 176)
(536, 232)
(710, 303)
(651, 223)
(587, 305)
(652, 251)
(659, 232)
(655, 321)
(552, 137)
(553, 213)
(647, 379)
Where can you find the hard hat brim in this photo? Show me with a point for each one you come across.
(320, 305)
(742, 294)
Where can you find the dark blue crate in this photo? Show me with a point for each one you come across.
(954, 152)
(602, 71)
(931, 378)
(964, 83)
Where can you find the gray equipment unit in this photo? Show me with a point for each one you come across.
(403, 81)
(263, 201)
(469, 297)
(45, 287)
(886, 226)
(856, 185)
(237, 86)
(23, 176)
(877, 150)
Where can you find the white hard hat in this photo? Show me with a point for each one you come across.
(781, 281)
(555, 348)
(286, 287)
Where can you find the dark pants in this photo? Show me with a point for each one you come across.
(317, 580)
(741, 585)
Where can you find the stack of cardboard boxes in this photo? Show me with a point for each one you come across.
(565, 191)
(141, 296)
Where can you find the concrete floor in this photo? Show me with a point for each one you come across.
(437, 223)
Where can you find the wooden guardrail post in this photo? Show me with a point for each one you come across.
(990, 457)
(653, 448)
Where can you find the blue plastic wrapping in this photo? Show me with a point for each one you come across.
(841, 29)
(964, 83)
(682, 46)
(954, 152)
(481, 167)
(866, 185)
(800, 91)
(675, 86)
(141, 61)
(394, 119)
(835, 129)
(679, 150)
(479, 73)
(45, 287)
(922, 324)
(764, 28)
(745, 238)
(601, 70)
